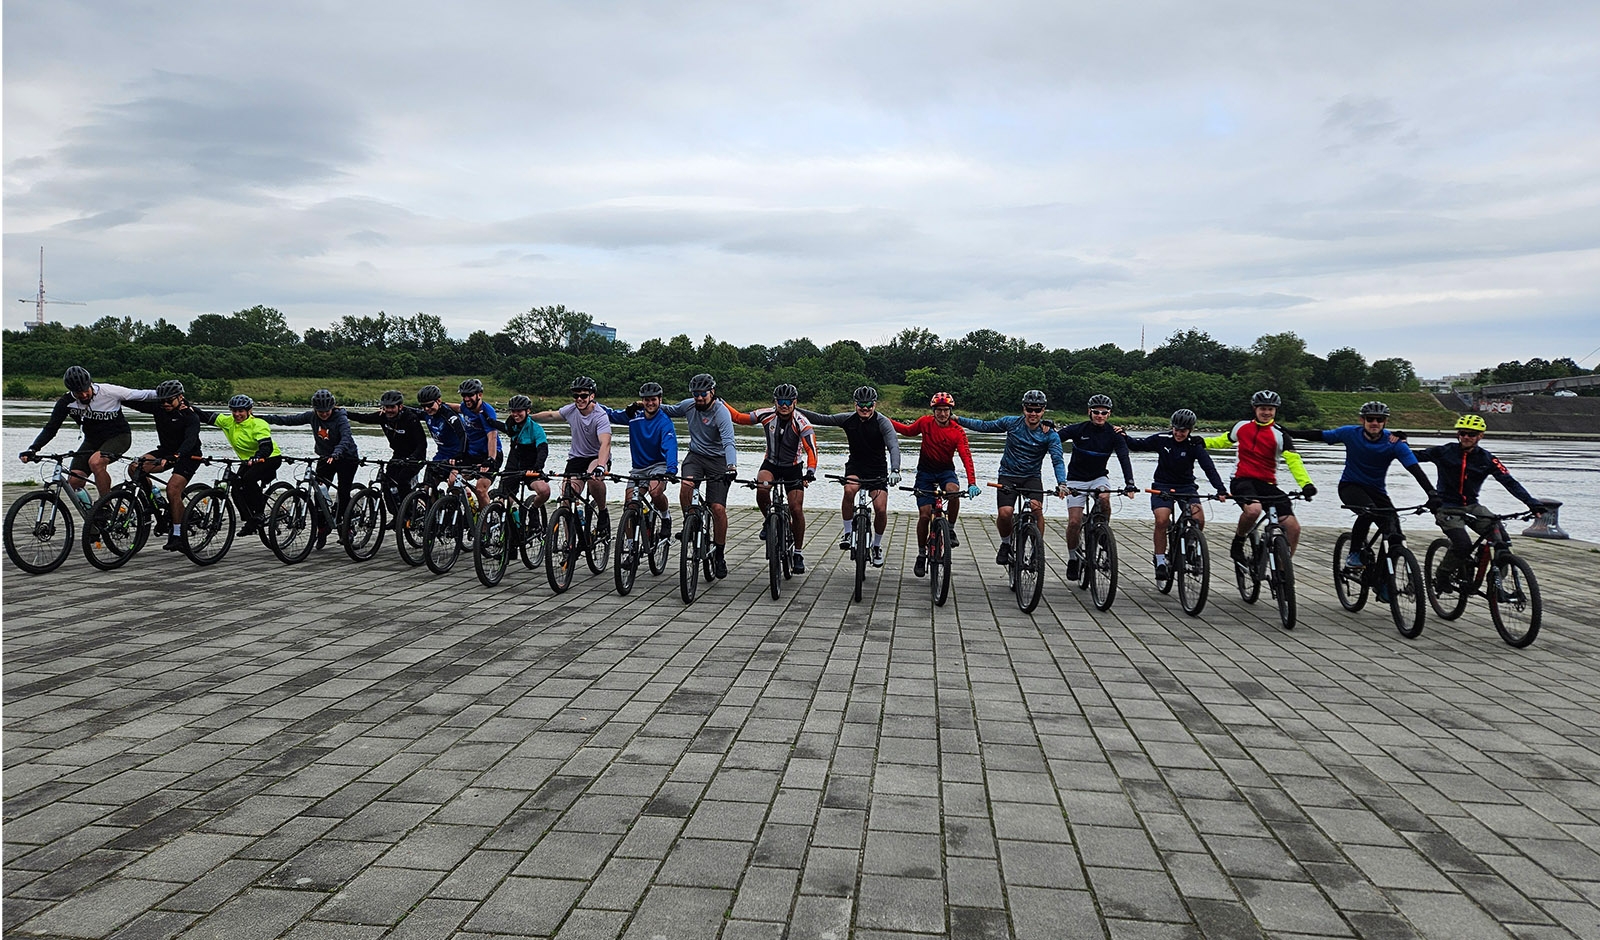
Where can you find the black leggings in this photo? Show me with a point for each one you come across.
(252, 480)
(1354, 494)
(399, 476)
(345, 469)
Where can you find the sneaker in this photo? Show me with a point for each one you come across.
(174, 544)
(1073, 569)
(1354, 561)
(250, 527)
(1236, 550)
(1163, 573)
(321, 539)
(1445, 585)
(845, 540)
(1383, 593)
(797, 564)
(1003, 557)
(954, 542)
(763, 534)
(719, 564)
(920, 569)
(664, 529)
(877, 556)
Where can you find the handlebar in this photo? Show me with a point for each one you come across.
(1195, 497)
(1032, 494)
(876, 483)
(948, 494)
(1397, 510)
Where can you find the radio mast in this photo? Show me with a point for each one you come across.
(40, 300)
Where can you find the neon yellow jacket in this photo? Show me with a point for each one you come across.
(250, 438)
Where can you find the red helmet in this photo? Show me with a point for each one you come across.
(942, 400)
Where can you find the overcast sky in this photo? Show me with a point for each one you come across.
(1418, 179)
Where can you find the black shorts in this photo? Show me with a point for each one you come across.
(1266, 493)
(711, 470)
(114, 444)
(790, 473)
(182, 469)
(1033, 485)
(875, 472)
(578, 466)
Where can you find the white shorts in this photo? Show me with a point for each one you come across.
(1080, 500)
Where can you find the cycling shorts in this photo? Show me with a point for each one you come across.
(1161, 502)
(115, 444)
(933, 480)
(183, 470)
(577, 466)
(1080, 500)
(711, 470)
(867, 471)
(1267, 493)
(1032, 485)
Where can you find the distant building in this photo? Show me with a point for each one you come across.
(600, 329)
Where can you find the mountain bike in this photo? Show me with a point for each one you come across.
(1268, 559)
(1097, 572)
(861, 526)
(941, 538)
(302, 514)
(411, 519)
(365, 517)
(574, 531)
(1025, 571)
(209, 519)
(39, 526)
(452, 521)
(1495, 573)
(507, 527)
(1188, 557)
(695, 557)
(119, 523)
(641, 531)
(777, 530)
(1387, 567)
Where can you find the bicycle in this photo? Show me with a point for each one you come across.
(119, 523)
(573, 532)
(209, 519)
(1387, 566)
(452, 521)
(940, 535)
(861, 525)
(777, 530)
(411, 518)
(695, 557)
(1495, 573)
(1188, 557)
(39, 528)
(1025, 570)
(365, 517)
(303, 513)
(639, 532)
(1097, 571)
(506, 527)
(1269, 560)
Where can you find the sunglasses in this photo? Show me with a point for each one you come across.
(783, 402)
(1034, 411)
(581, 396)
(1469, 433)
(1381, 419)
(866, 404)
(702, 394)
(1100, 412)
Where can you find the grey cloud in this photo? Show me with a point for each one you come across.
(1268, 300)
(102, 220)
(1361, 119)
(779, 232)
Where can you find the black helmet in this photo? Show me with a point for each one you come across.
(1034, 397)
(241, 401)
(1100, 401)
(428, 393)
(1375, 408)
(470, 387)
(391, 397)
(1266, 397)
(1183, 418)
(584, 384)
(322, 400)
(866, 394)
(702, 383)
(785, 391)
(650, 390)
(77, 379)
(169, 389)
(519, 403)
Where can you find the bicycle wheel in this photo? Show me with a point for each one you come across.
(1283, 581)
(39, 532)
(441, 536)
(289, 518)
(491, 549)
(1349, 583)
(1514, 600)
(660, 546)
(111, 533)
(1192, 571)
(1030, 568)
(689, 558)
(1245, 574)
(409, 523)
(776, 550)
(1103, 559)
(629, 530)
(939, 560)
(1405, 592)
(208, 525)
(361, 527)
(597, 543)
(863, 549)
(1447, 606)
(533, 533)
(561, 549)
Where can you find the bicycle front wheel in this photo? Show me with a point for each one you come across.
(39, 532)
(1030, 568)
(1103, 560)
(630, 535)
(1405, 593)
(939, 561)
(208, 525)
(775, 551)
(660, 543)
(1349, 583)
(409, 524)
(1283, 580)
(1192, 570)
(361, 527)
(111, 533)
(1245, 574)
(1514, 600)
(689, 559)
(533, 531)
(289, 521)
(863, 522)
(1447, 606)
(491, 548)
(561, 549)
(441, 536)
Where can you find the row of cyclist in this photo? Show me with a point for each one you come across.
(514, 450)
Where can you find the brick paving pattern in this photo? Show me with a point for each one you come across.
(336, 750)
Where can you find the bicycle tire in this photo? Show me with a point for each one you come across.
(1245, 575)
(1192, 571)
(533, 533)
(208, 525)
(39, 538)
(1283, 575)
(409, 523)
(1446, 606)
(362, 526)
(862, 522)
(293, 533)
(689, 558)
(597, 543)
(1103, 558)
(1349, 583)
(1405, 593)
(626, 565)
(1030, 568)
(939, 561)
(775, 550)
(561, 549)
(111, 530)
(441, 536)
(1514, 602)
(660, 544)
(492, 549)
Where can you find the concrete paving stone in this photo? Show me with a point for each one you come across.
(1244, 857)
(379, 895)
(766, 894)
(327, 930)
(912, 855)
(705, 863)
(1138, 895)
(821, 918)
(216, 886)
(1530, 878)
(526, 906)
(1397, 868)
(1377, 926)
(88, 869)
(714, 819)
(689, 913)
(620, 884)
(969, 836)
(100, 908)
(1104, 846)
(156, 925)
(1503, 901)
(1049, 914)
(914, 905)
(1149, 930)
(256, 914)
(585, 924)
(650, 837)
(1347, 887)
(831, 872)
(1291, 906)
(477, 876)
(973, 883)
(1447, 915)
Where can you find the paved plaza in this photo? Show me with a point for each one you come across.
(339, 750)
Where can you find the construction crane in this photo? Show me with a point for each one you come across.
(41, 301)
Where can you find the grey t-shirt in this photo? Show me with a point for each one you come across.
(586, 429)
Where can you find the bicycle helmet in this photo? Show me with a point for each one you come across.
(865, 395)
(77, 379)
(702, 383)
(1374, 408)
(1183, 418)
(942, 400)
(470, 387)
(1471, 423)
(650, 390)
(391, 397)
(785, 391)
(519, 403)
(1034, 397)
(169, 389)
(1100, 401)
(428, 393)
(1266, 397)
(322, 400)
(241, 401)
(584, 384)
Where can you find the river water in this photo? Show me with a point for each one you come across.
(1564, 470)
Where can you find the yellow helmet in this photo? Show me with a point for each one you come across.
(1471, 423)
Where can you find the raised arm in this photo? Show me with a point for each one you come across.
(827, 420)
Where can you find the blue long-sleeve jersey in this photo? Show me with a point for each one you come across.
(651, 439)
(1025, 448)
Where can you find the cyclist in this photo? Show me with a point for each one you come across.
(942, 439)
(591, 443)
(335, 445)
(483, 442)
(527, 449)
(447, 431)
(251, 440)
(1463, 466)
(652, 446)
(177, 449)
(790, 440)
(97, 407)
(407, 431)
(1177, 453)
(874, 454)
(712, 458)
(1369, 449)
(1093, 442)
(1030, 437)
(1261, 442)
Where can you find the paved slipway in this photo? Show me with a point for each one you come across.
(336, 750)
